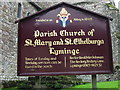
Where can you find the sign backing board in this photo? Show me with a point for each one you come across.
(64, 40)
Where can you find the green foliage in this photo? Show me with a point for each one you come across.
(25, 84)
(100, 85)
(13, 88)
(118, 35)
(58, 82)
(112, 85)
(19, 84)
(111, 6)
(7, 84)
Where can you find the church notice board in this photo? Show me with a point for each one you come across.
(64, 40)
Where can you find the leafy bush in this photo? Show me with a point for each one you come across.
(59, 82)
(54, 82)
(7, 84)
(25, 84)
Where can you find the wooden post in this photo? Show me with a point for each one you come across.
(38, 83)
(94, 82)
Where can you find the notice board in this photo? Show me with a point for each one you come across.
(64, 40)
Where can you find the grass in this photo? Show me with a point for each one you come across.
(112, 85)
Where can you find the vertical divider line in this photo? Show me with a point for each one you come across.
(65, 62)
